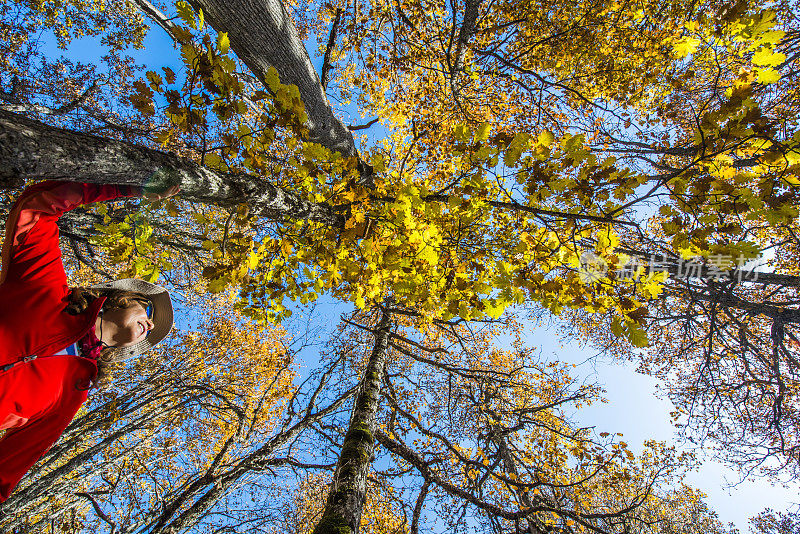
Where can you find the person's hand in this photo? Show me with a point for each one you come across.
(153, 195)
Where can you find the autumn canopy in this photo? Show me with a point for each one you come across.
(378, 200)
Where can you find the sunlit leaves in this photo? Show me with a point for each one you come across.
(187, 15)
(768, 58)
(685, 46)
(133, 244)
(474, 210)
(223, 43)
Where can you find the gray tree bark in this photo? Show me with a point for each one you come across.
(471, 8)
(342, 513)
(263, 35)
(32, 149)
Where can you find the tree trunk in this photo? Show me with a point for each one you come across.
(263, 35)
(342, 513)
(471, 8)
(32, 149)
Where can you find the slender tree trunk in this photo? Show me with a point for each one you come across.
(263, 35)
(471, 8)
(32, 149)
(342, 513)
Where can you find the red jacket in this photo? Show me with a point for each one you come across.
(39, 397)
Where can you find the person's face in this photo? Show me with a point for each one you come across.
(130, 325)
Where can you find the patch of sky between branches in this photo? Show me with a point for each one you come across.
(90, 49)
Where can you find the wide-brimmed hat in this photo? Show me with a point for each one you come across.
(162, 313)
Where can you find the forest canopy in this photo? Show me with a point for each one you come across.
(449, 173)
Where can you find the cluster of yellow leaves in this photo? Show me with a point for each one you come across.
(459, 255)
(132, 243)
(456, 215)
(208, 99)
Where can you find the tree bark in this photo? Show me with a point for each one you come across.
(510, 466)
(471, 8)
(263, 35)
(779, 313)
(32, 149)
(342, 513)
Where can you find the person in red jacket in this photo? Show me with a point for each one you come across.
(52, 338)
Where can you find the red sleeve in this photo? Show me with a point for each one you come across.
(30, 250)
(22, 447)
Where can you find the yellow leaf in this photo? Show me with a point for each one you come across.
(155, 80)
(772, 37)
(377, 163)
(767, 76)
(163, 137)
(252, 262)
(186, 13)
(223, 43)
(461, 132)
(272, 79)
(546, 138)
(684, 47)
(482, 134)
(792, 180)
(636, 335)
(616, 328)
(766, 57)
(213, 161)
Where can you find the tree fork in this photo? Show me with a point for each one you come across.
(263, 35)
(32, 149)
(342, 513)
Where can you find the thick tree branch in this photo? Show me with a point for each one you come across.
(354, 127)
(157, 16)
(423, 492)
(465, 32)
(98, 510)
(31, 149)
(263, 35)
(15, 106)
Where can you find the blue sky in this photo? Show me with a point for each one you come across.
(635, 410)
